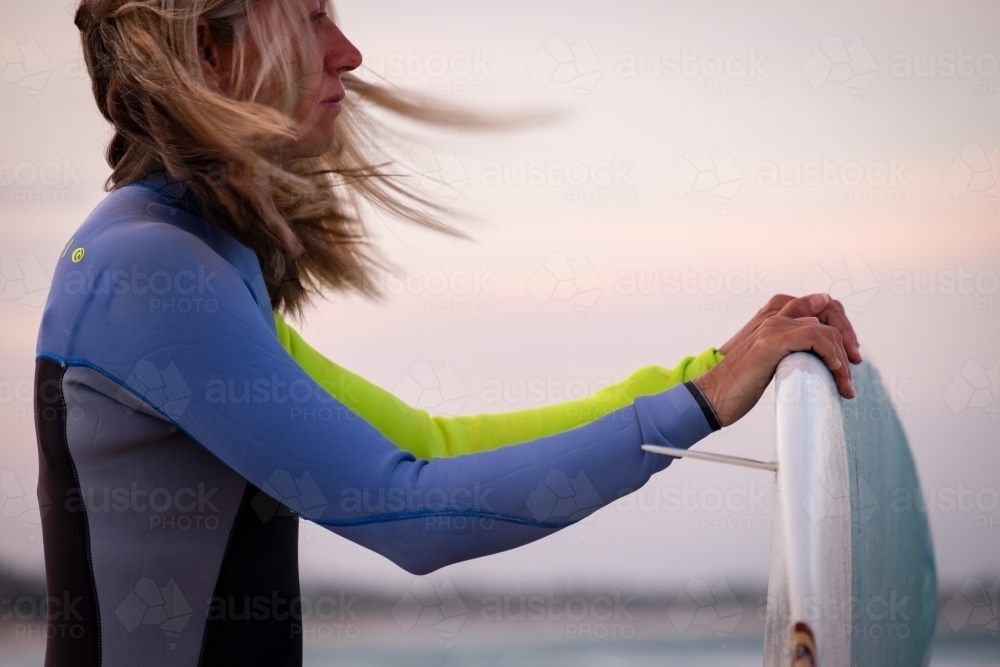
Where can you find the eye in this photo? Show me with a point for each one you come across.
(318, 16)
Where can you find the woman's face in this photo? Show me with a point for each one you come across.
(321, 90)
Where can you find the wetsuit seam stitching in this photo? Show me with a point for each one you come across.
(421, 514)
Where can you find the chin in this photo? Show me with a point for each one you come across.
(319, 146)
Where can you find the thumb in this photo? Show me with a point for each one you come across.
(817, 302)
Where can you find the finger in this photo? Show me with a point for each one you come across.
(771, 308)
(837, 348)
(812, 338)
(835, 337)
(835, 316)
(829, 311)
(804, 306)
(776, 303)
(843, 377)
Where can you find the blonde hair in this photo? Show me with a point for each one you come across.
(301, 217)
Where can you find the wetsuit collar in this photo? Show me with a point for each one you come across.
(177, 190)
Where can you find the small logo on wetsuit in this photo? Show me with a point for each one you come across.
(77, 255)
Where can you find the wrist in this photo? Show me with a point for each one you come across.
(710, 389)
(706, 406)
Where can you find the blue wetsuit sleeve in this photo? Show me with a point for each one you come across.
(221, 376)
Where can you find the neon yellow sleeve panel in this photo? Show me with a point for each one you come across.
(426, 436)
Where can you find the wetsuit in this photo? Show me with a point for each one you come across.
(183, 429)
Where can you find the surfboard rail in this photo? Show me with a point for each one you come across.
(852, 578)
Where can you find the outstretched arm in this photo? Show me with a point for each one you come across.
(426, 436)
(221, 377)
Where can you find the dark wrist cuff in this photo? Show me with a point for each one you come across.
(706, 407)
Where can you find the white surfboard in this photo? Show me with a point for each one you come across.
(852, 579)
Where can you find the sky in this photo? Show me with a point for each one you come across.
(706, 156)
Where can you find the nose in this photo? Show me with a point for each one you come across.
(341, 56)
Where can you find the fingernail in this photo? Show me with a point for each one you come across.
(818, 301)
(854, 392)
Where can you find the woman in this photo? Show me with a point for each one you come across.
(183, 426)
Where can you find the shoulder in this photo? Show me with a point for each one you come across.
(136, 223)
(140, 261)
(138, 242)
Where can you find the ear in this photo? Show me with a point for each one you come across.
(209, 54)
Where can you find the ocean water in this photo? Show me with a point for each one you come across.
(979, 652)
(976, 653)
(603, 654)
